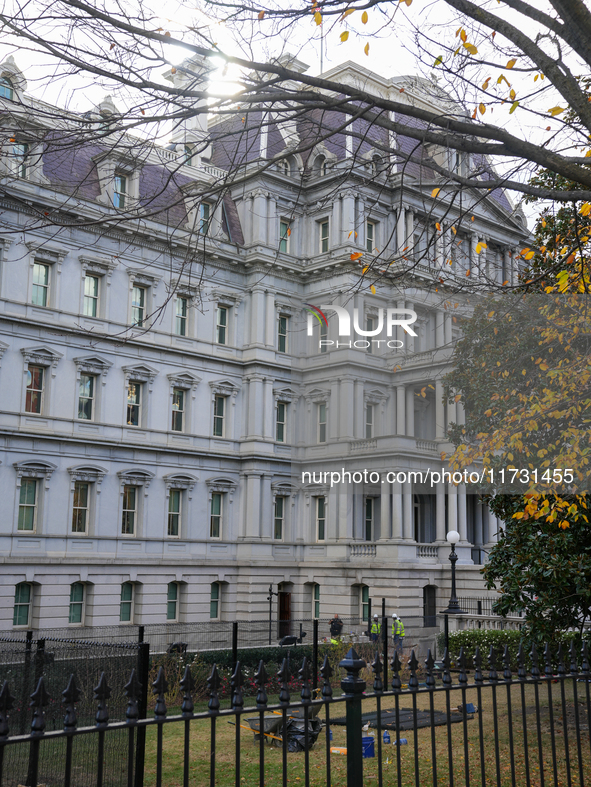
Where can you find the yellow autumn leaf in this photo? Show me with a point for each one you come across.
(556, 111)
(364, 17)
(373, 289)
(512, 94)
(530, 255)
(318, 18)
(366, 49)
(471, 48)
(357, 255)
(435, 192)
(514, 106)
(463, 36)
(344, 36)
(261, 15)
(348, 12)
(364, 270)
(585, 209)
(511, 63)
(481, 108)
(454, 230)
(438, 226)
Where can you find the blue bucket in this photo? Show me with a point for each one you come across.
(368, 745)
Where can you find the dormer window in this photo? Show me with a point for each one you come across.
(204, 218)
(6, 88)
(119, 191)
(283, 167)
(187, 156)
(20, 155)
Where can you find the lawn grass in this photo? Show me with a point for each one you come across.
(419, 742)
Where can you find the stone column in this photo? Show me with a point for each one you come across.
(440, 513)
(397, 528)
(359, 411)
(349, 218)
(270, 320)
(347, 408)
(269, 410)
(452, 508)
(407, 512)
(439, 411)
(448, 330)
(385, 513)
(259, 217)
(401, 230)
(400, 410)
(257, 324)
(462, 514)
(253, 505)
(267, 512)
(410, 411)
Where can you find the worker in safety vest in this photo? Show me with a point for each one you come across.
(397, 633)
(376, 629)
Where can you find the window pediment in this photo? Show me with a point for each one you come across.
(32, 469)
(221, 485)
(96, 266)
(143, 279)
(89, 474)
(41, 356)
(135, 478)
(93, 364)
(184, 380)
(178, 481)
(223, 388)
(141, 373)
(317, 396)
(285, 394)
(224, 298)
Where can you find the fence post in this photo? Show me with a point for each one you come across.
(140, 634)
(234, 644)
(144, 677)
(353, 687)
(25, 690)
(385, 640)
(315, 655)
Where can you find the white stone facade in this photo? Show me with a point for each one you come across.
(184, 507)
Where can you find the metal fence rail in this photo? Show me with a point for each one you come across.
(543, 730)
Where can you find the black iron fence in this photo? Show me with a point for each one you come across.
(498, 728)
(222, 635)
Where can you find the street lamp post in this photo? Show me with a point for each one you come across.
(453, 607)
(270, 600)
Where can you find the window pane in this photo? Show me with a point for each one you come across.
(85, 396)
(222, 325)
(40, 284)
(35, 375)
(174, 512)
(178, 406)
(126, 602)
(22, 604)
(119, 191)
(214, 601)
(129, 510)
(76, 602)
(218, 417)
(27, 504)
(216, 511)
(80, 512)
(91, 289)
(133, 404)
(6, 89)
(180, 326)
(171, 606)
(280, 426)
(138, 305)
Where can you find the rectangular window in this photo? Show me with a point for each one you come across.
(138, 306)
(369, 323)
(134, 404)
(214, 601)
(23, 597)
(76, 603)
(368, 518)
(91, 296)
(317, 601)
(282, 334)
(280, 423)
(86, 397)
(130, 496)
(323, 337)
(119, 191)
(218, 416)
(284, 236)
(365, 603)
(320, 518)
(172, 601)
(369, 422)
(27, 505)
(20, 152)
(215, 526)
(279, 518)
(204, 217)
(126, 604)
(174, 513)
(322, 423)
(80, 509)
(370, 236)
(178, 409)
(324, 227)
(180, 319)
(222, 325)
(40, 294)
(35, 380)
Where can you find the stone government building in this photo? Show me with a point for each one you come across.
(155, 416)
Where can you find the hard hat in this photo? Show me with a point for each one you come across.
(375, 616)
(394, 615)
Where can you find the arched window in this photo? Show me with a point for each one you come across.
(23, 602)
(6, 88)
(187, 156)
(284, 167)
(321, 165)
(364, 603)
(76, 603)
